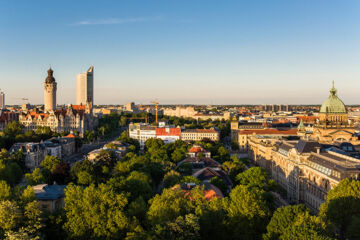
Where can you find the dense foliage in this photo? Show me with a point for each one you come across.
(138, 197)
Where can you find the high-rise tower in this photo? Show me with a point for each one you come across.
(85, 87)
(50, 92)
(2, 100)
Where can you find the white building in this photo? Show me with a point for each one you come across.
(85, 87)
(141, 132)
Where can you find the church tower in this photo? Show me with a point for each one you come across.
(50, 92)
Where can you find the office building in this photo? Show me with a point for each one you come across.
(85, 87)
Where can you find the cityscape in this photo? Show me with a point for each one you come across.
(174, 143)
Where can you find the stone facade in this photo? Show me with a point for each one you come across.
(304, 169)
(74, 118)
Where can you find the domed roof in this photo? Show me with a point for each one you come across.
(50, 78)
(333, 104)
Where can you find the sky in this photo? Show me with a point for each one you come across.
(183, 52)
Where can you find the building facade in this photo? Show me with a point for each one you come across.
(85, 87)
(200, 134)
(74, 118)
(333, 122)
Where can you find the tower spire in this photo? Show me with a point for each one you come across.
(333, 89)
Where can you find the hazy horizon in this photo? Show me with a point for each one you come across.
(188, 52)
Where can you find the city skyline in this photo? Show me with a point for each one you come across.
(182, 53)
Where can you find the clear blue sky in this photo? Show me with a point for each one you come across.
(208, 52)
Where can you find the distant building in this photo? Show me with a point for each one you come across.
(34, 153)
(185, 112)
(200, 134)
(6, 117)
(243, 135)
(85, 87)
(131, 107)
(74, 118)
(333, 123)
(53, 149)
(2, 100)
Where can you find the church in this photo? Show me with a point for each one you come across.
(78, 118)
(333, 124)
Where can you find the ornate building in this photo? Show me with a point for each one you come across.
(333, 124)
(72, 118)
(50, 87)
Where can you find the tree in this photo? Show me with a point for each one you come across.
(247, 212)
(190, 179)
(167, 206)
(171, 178)
(95, 213)
(5, 191)
(183, 228)
(233, 168)
(282, 218)
(50, 163)
(219, 183)
(178, 155)
(10, 215)
(13, 128)
(256, 177)
(36, 177)
(305, 227)
(345, 196)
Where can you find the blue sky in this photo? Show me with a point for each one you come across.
(203, 52)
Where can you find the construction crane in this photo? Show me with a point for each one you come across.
(156, 102)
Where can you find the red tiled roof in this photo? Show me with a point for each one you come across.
(78, 107)
(197, 149)
(70, 136)
(271, 131)
(168, 132)
(307, 119)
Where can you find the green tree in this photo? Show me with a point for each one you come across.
(256, 177)
(36, 177)
(233, 168)
(171, 178)
(219, 183)
(95, 213)
(190, 179)
(283, 218)
(5, 191)
(305, 227)
(345, 196)
(247, 211)
(167, 206)
(10, 215)
(183, 228)
(50, 163)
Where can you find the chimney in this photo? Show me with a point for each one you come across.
(317, 150)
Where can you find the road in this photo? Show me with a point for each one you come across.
(86, 148)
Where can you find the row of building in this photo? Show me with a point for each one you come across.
(35, 153)
(143, 132)
(310, 166)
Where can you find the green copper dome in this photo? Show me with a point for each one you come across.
(333, 104)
